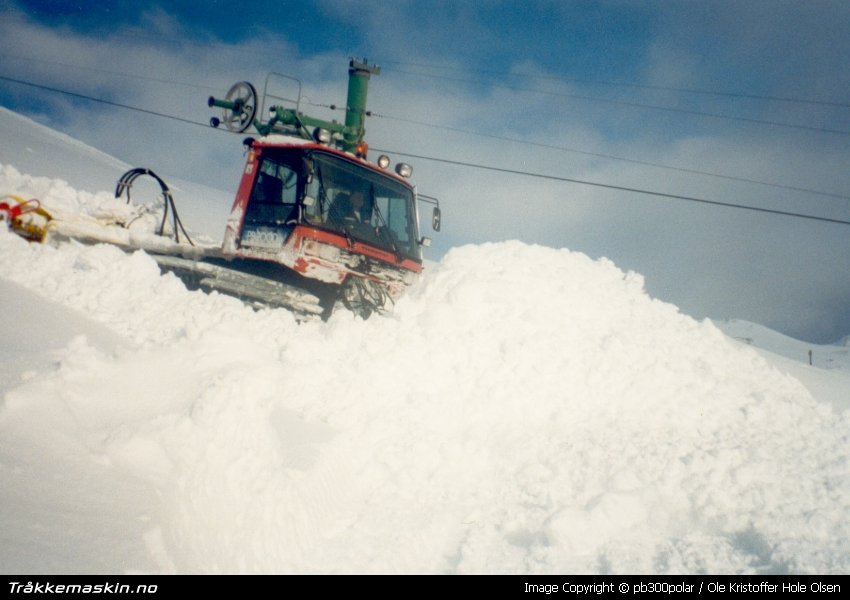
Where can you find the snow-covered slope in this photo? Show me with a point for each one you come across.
(524, 410)
(824, 370)
(831, 357)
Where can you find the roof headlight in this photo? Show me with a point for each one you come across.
(404, 169)
(321, 135)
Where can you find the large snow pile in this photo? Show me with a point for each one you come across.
(524, 409)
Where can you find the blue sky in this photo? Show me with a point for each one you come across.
(604, 37)
(685, 98)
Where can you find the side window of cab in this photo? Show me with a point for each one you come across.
(272, 208)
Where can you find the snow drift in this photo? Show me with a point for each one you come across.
(523, 410)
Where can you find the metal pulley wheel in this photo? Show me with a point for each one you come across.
(243, 97)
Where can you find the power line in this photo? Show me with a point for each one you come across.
(232, 48)
(531, 90)
(702, 92)
(612, 157)
(114, 73)
(614, 187)
(636, 104)
(466, 164)
(459, 130)
(102, 101)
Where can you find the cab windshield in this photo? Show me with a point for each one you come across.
(361, 204)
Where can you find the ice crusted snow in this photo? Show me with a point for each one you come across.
(523, 410)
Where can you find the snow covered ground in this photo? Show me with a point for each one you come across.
(524, 410)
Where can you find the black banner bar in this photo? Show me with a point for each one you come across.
(622, 586)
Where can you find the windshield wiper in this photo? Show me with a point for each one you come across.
(383, 229)
(333, 217)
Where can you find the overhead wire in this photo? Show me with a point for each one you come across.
(464, 131)
(101, 101)
(124, 74)
(581, 97)
(611, 157)
(464, 163)
(624, 84)
(614, 187)
(594, 154)
(638, 105)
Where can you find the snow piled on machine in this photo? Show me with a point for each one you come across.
(523, 410)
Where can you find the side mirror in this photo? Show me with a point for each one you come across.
(435, 219)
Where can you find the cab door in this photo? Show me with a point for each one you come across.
(272, 210)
